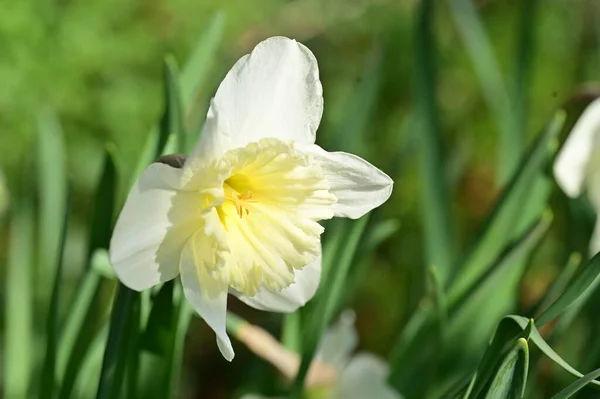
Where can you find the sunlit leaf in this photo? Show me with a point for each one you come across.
(17, 353)
(47, 386)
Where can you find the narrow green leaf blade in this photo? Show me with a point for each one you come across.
(47, 386)
(487, 70)
(537, 339)
(499, 228)
(115, 353)
(194, 72)
(577, 385)
(171, 133)
(576, 288)
(505, 335)
(18, 314)
(434, 190)
(52, 188)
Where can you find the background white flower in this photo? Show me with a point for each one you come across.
(577, 166)
(241, 215)
(357, 376)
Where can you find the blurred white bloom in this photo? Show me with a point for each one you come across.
(241, 215)
(358, 376)
(577, 166)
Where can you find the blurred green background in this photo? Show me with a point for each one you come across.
(97, 66)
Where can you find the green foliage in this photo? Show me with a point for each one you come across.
(443, 96)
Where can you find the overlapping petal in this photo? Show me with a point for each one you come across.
(142, 229)
(359, 186)
(306, 282)
(272, 92)
(209, 300)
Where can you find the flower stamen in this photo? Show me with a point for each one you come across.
(240, 201)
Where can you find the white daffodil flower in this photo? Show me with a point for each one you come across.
(336, 373)
(577, 166)
(241, 214)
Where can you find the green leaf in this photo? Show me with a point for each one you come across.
(421, 327)
(86, 315)
(510, 255)
(47, 386)
(488, 73)
(191, 79)
(511, 377)
(89, 373)
(379, 233)
(103, 214)
(512, 140)
(542, 345)
(195, 71)
(161, 321)
(439, 300)
(577, 385)
(434, 191)
(559, 284)
(175, 355)
(52, 188)
(351, 135)
(504, 337)
(500, 226)
(88, 312)
(291, 332)
(171, 123)
(17, 353)
(115, 353)
(576, 288)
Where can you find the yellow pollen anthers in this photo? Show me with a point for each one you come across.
(273, 199)
(241, 201)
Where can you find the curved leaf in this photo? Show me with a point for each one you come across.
(511, 378)
(537, 339)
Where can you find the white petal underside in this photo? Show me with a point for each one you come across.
(212, 307)
(571, 163)
(306, 282)
(138, 252)
(339, 341)
(365, 377)
(272, 92)
(359, 186)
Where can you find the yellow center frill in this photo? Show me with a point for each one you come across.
(265, 226)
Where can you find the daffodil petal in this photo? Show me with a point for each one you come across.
(212, 307)
(339, 341)
(358, 185)
(571, 163)
(306, 282)
(365, 377)
(141, 229)
(272, 92)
